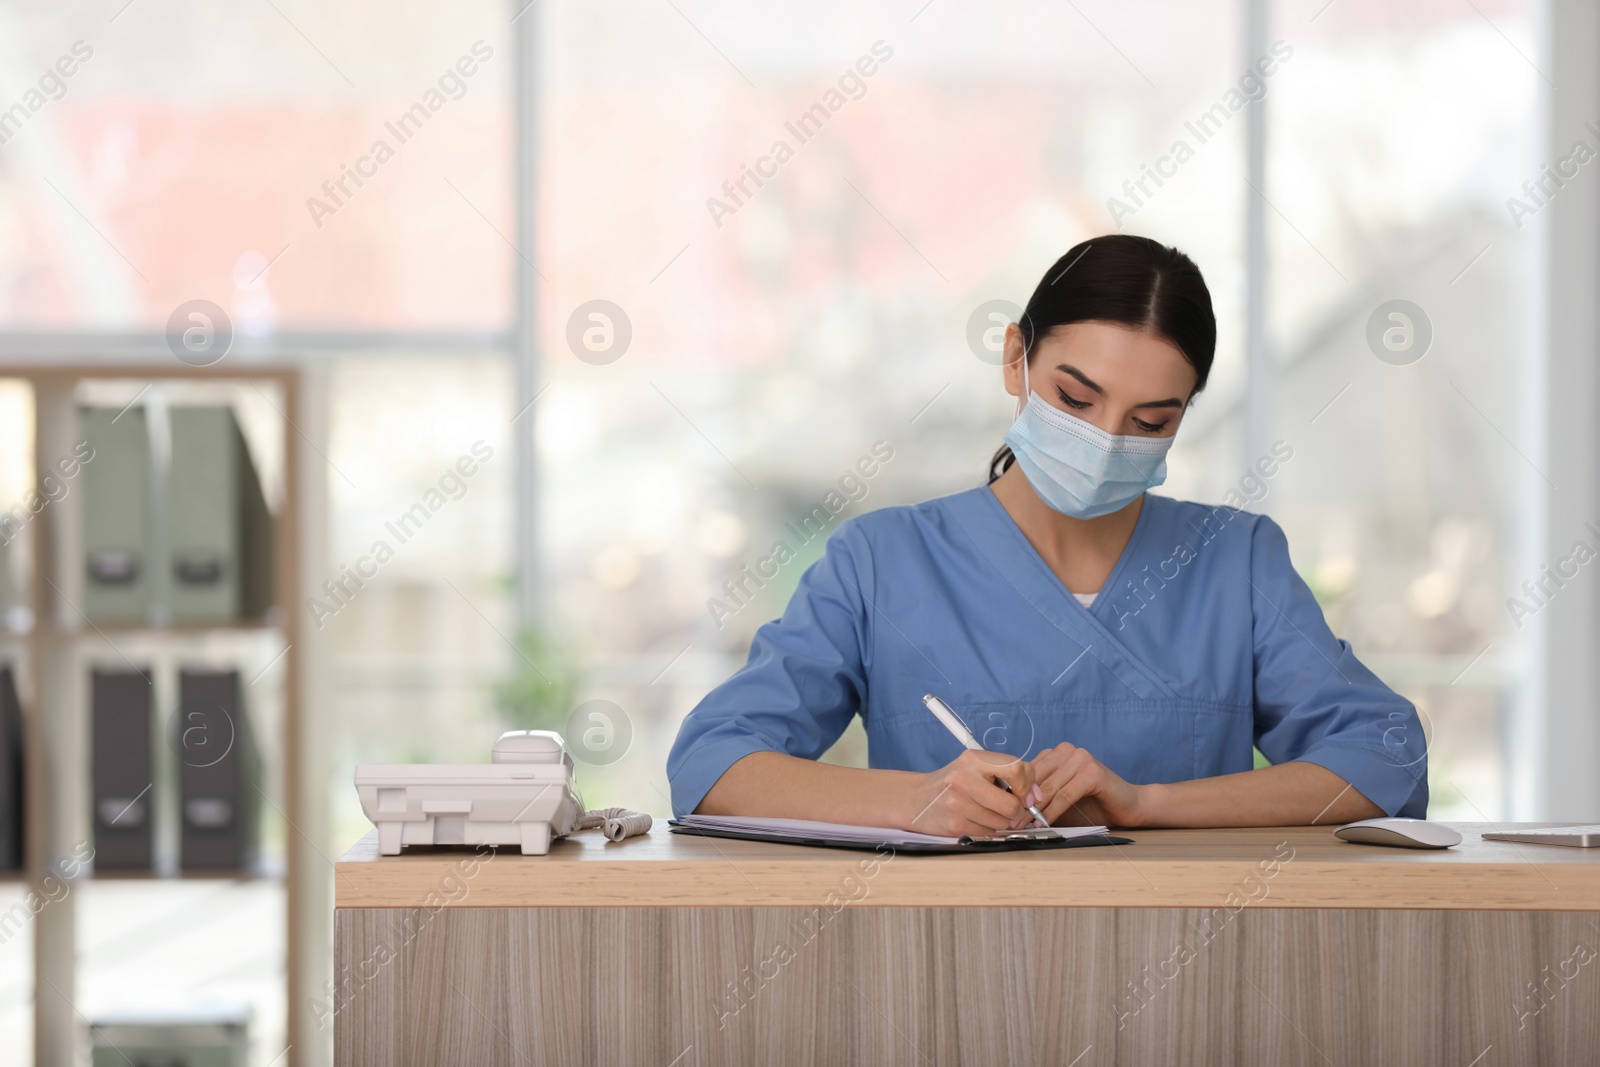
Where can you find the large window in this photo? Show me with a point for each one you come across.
(1394, 141)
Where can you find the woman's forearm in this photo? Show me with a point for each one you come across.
(776, 785)
(780, 786)
(1288, 794)
(972, 794)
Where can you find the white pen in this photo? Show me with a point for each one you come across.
(953, 723)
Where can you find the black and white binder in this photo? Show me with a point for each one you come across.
(11, 782)
(122, 771)
(217, 794)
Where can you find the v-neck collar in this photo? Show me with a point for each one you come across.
(998, 538)
(1128, 550)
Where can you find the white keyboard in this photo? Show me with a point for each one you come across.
(1571, 836)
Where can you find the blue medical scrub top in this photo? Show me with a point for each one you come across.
(1202, 642)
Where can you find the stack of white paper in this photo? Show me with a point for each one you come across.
(802, 829)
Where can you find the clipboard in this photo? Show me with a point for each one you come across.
(1011, 841)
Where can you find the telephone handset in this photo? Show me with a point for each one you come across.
(530, 746)
(525, 796)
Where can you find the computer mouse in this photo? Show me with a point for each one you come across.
(1399, 833)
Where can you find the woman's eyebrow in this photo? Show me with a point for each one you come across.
(1067, 368)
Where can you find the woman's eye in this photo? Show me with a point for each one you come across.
(1150, 427)
(1067, 400)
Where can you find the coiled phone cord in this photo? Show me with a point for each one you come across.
(615, 823)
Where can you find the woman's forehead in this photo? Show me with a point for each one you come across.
(1114, 357)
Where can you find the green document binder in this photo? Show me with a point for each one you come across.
(219, 531)
(116, 515)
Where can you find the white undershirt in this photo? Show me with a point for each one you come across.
(1086, 599)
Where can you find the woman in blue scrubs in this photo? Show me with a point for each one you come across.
(1116, 653)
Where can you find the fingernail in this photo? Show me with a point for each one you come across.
(1036, 794)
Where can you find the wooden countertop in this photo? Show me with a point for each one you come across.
(1272, 867)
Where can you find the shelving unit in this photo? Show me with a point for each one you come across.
(52, 677)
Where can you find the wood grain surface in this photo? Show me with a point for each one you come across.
(1310, 868)
(936, 986)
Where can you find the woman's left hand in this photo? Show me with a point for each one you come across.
(1079, 790)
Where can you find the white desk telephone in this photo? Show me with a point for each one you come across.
(525, 796)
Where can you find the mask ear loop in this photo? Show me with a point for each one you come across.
(1022, 401)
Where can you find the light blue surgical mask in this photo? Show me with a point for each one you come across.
(1077, 468)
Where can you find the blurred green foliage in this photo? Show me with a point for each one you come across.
(538, 694)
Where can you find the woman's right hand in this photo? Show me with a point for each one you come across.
(965, 797)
